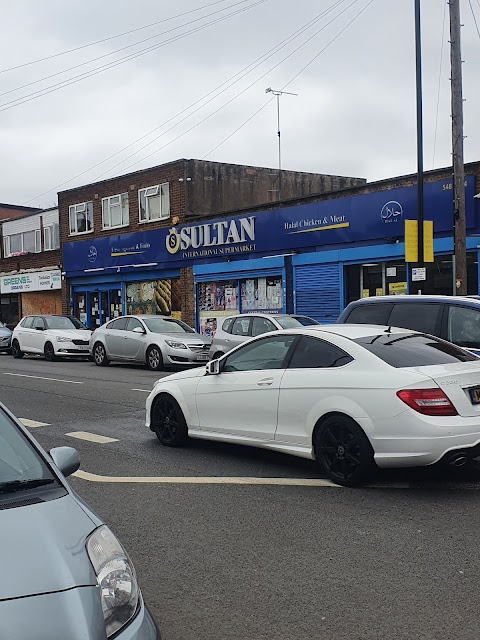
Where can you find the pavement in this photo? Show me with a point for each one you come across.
(238, 543)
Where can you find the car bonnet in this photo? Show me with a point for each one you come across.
(42, 547)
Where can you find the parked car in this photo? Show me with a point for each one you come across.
(156, 341)
(453, 318)
(5, 338)
(349, 396)
(64, 573)
(237, 329)
(50, 335)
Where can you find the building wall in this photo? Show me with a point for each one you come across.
(8, 211)
(217, 187)
(41, 302)
(31, 262)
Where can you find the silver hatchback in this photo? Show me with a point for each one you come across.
(239, 328)
(157, 341)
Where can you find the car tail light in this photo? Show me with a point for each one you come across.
(429, 402)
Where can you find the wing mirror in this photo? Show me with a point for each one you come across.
(139, 330)
(66, 459)
(213, 368)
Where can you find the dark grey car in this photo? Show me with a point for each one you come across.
(64, 573)
(5, 338)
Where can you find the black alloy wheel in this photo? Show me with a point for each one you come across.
(16, 351)
(100, 355)
(49, 352)
(344, 451)
(168, 422)
(154, 359)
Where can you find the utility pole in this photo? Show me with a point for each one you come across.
(278, 93)
(418, 69)
(459, 229)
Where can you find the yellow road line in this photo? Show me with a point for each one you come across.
(287, 482)
(91, 437)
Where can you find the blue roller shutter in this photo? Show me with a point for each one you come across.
(317, 291)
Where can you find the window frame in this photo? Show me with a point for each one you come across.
(302, 338)
(37, 243)
(85, 210)
(163, 197)
(240, 319)
(107, 211)
(251, 344)
(110, 326)
(53, 235)
(260, 318)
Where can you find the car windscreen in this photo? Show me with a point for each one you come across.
(167, 325)
(413, 350)
(19, 461)
(293, 322)
(63, 322)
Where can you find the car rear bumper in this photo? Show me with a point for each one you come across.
(411, 439)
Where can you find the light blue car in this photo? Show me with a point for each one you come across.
(64, 574)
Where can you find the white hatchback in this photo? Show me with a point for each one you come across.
(349, 396)
(52, 336)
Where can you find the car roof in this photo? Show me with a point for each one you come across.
(474, 301)
(353, 331)
(266, 315)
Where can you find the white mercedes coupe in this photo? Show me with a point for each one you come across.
(349, 396)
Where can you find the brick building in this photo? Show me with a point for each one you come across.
(30, 265)
(9, 211)
(114, 232)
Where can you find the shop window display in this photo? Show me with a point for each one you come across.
(155, 297)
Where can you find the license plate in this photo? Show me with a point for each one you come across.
(475, 395)
(203, 357)
(83, 347)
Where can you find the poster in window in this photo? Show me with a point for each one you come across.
(154, 297)
(230, 298)
(208, 327)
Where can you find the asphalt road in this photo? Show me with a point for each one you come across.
(397, 559)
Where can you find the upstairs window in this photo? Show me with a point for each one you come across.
(115, 211)
(51, 237)
(154, 203)
(81, 218)
(26, 242)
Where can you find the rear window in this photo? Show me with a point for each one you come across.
(293, 322)
(413, 350)
(418, 316)
(227, 325)
(369, 314)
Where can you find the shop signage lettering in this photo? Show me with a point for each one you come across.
(35, 281)
(215, 234)
(378, 216)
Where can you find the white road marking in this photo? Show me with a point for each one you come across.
(91, 437)
(146, 390)
(23, 375)
(287, 482)
(32, 424)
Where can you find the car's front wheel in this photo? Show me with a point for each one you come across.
(16, 351)
(344, 451)
(100, 355)
(154, 358)
(49, 352)
(168, 421)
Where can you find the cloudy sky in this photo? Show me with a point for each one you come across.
(354, 115)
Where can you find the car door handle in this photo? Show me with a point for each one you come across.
(266, 382)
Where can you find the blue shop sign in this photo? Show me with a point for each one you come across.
(359, 218)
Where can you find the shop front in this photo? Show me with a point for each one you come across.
(30, 292)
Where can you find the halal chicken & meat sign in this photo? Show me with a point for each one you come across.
(213, 239)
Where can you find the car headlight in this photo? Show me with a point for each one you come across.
(116, 578)
(175, 345)
(63, 339)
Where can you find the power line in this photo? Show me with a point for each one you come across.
(65, 83)
(119, 35)
(112, 53)
(242, 73)
(290, 81)
(474, 17)
(439, 82)
(231, 99)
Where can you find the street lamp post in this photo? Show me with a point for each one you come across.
(278, 93)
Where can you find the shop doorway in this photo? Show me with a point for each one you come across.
(94, 308)
(375, 279)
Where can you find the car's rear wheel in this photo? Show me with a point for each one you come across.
(16, 351)
(100, 355)
(49, 352)
(168, 421)
(154, 358)
(344, 451)
(217, 355)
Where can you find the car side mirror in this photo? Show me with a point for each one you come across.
(66, 459)
(139, 330)
(213, 368)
